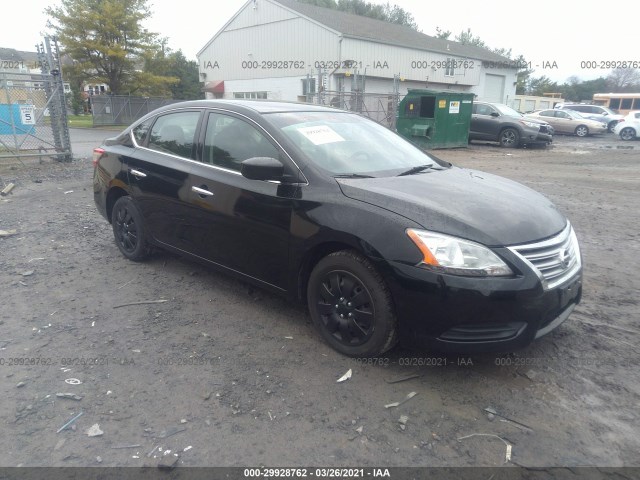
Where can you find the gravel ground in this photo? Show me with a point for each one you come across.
(222, 373)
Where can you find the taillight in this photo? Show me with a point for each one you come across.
(97, 153)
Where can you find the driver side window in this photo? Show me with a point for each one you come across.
(230, 140)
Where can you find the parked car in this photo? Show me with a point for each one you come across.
(594, 112)
(629, 127)
(568, 121)
(500, 123)
(381, 240)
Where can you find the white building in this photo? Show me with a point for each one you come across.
(281, 49)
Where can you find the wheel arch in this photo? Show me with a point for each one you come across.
(112, 197)
(511, 126)
(324, 248)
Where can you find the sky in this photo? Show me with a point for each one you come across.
(551, 34)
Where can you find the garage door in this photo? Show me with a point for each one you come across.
(494, 88)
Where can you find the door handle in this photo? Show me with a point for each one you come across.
(203, 192)
(137, 173)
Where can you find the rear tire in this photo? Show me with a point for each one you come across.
(509, 138)
(128, 229)
(351, 306)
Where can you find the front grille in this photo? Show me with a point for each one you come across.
(554, 260)
(546, 129)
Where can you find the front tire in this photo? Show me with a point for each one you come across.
(351, 306)
(611, 126)
(627, 133)
(582, 130)
(128, 229)
(509, 138)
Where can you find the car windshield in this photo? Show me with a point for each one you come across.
(506, 110)
(348, 144)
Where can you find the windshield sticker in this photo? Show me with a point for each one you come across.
(320, 135)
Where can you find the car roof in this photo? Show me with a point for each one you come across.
(259, 106)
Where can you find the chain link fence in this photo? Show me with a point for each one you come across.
(379, 107)
(33, 120)
(122, 109)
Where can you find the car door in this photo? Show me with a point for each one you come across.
(565, 122)
(158, 172)
(549, 117)
(241, 224)
(485, 123)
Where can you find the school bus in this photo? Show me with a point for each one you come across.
(623, 103)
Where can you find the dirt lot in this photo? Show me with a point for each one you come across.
(225, 374)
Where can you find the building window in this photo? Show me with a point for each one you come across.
(357, 83)
(250, 95)
(308, 86)
(614, 103)
(448, 72)
(626, 104)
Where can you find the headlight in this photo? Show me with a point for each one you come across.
(457, 256)
(530, 124)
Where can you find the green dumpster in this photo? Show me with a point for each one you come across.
(435, 119)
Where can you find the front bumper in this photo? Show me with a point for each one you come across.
(538, 138)
(472, 315)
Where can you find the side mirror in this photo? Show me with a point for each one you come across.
(495, 114)
(262, 168)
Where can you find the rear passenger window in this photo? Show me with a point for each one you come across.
(229, 141)
(174, 133)
(140, 132)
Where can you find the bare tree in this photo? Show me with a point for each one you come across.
(624, 80)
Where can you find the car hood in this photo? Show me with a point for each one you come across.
(465, 203)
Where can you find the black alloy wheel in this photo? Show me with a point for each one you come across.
(128, 229)
(351, 305)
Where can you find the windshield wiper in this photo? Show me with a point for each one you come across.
(353, 175)
(418, 169)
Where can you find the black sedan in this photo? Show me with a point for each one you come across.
(383, 241)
